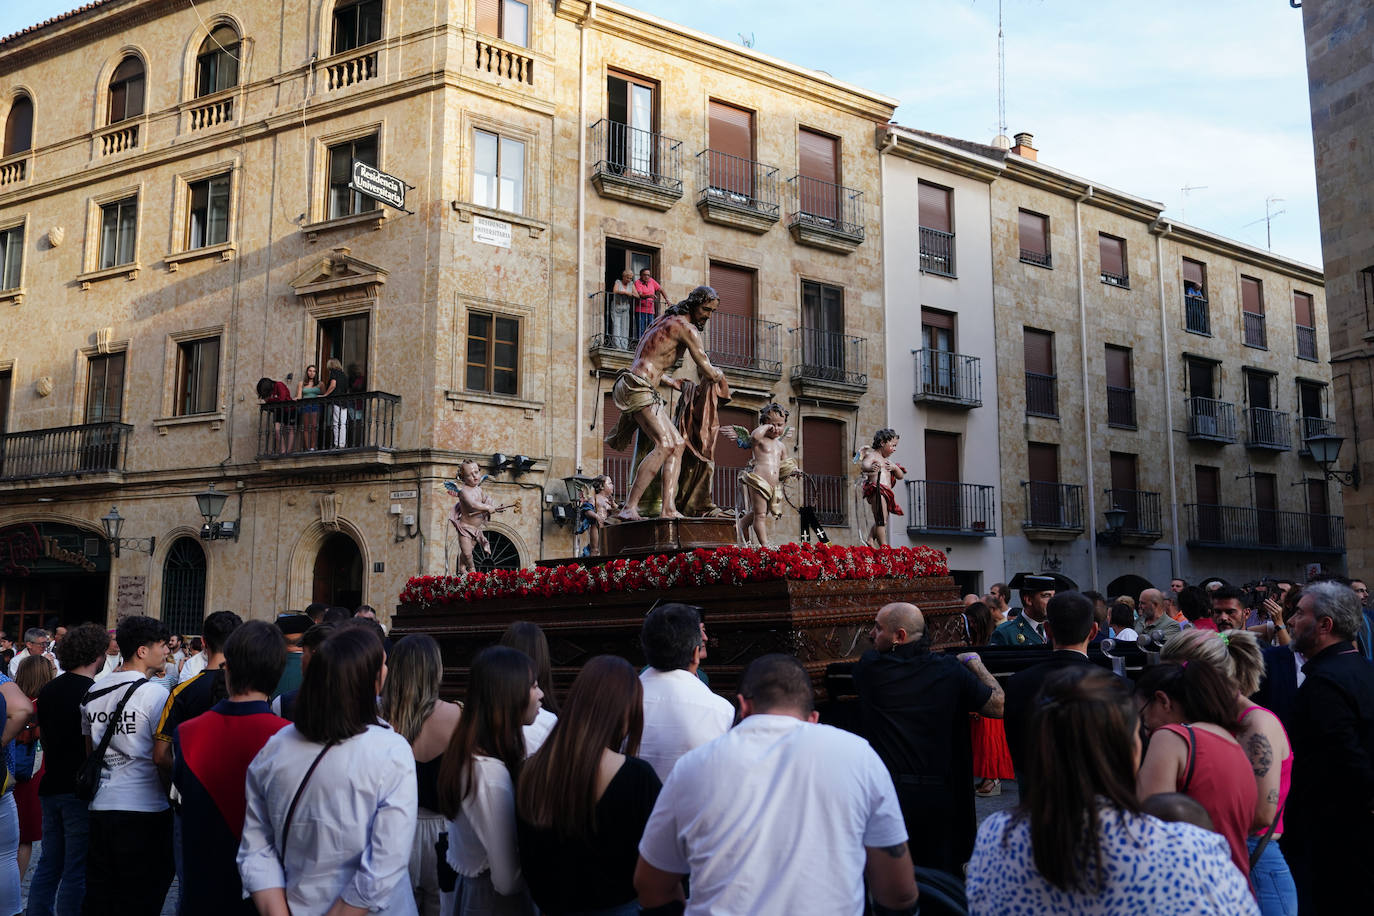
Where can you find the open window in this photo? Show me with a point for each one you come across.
(126, 91)
(217, 64)
(19, 126)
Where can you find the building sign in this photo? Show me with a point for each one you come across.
(404, 494)
(491, 232)
(381, 187)
(29, 548)
(130, 596)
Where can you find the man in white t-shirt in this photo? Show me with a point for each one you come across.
(129, 864)
(680, 712)
(781, 815)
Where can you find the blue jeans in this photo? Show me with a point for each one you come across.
(10, 901)
(1272, 881)
(60, 874)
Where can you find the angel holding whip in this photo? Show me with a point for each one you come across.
(470, 513)
(762, 481)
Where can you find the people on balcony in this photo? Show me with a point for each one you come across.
(283, 418)
(309, 387)
(624, 302)
(650, 295)
(336, 384)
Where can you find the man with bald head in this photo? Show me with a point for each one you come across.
(1153, 619)
(913, 708)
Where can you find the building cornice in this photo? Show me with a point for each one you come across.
(1046, 178)
(79, 27)
(926, 151)
(1194, 237)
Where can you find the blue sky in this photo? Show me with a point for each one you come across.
(1143, 97)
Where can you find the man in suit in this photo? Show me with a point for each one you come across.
(1282, 677)
(1071, 625)
(1027, 629)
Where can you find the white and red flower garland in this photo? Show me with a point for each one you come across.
(730, 565)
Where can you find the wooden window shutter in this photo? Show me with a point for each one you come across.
(1110, 250)
(489, 17)
(823, 446)
(934, 207)
(942, 456)
(1039, 352)
(735, 287)
(732, 130)
(1043, 462)
(1303, 313)
(934, 318)
(1251, 296)
(1316, 498)
(1207, 481)
(816, 156)
(1033, 230)
(1123, 471)
(1119, 367)
(1194, 272)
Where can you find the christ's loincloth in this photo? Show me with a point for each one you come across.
(631, 394)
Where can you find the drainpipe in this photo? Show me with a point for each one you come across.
(1160, 229)
(579, 394)
(1083, 347)
(888, 144)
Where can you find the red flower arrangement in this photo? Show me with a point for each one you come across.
(730, 565)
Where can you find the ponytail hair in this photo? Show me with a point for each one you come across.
(1235, 653)
(1201, 691)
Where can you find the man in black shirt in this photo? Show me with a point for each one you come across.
(914, 709)
(60, 875)
(192, 697)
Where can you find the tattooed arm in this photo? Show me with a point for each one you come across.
(1261, 732)
(891, 878)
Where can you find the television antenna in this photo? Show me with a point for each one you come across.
(746, 40)
(1183, 209)
(1268, 220)
(1001, 79)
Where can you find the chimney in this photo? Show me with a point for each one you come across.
(1023, 146)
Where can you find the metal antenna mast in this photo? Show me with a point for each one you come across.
(1183, 209)
(1268, 220)
(1001, 75)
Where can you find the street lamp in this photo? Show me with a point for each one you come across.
(1325, 449)
(210, 503)
(576, 486)
(113, 525)
(1116, 519)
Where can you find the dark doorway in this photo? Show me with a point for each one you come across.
(1130, 585)
(338, 573)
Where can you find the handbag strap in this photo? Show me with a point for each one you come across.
(295, 799)
(1267, 835)
(113, 721)
(1192, 758)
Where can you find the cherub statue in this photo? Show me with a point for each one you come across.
(470, 513)
(879, 473)
(768, 465)
(596, 503)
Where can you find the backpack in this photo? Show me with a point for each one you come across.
(28, 754)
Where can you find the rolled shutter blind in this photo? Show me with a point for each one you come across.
(934, 207)
(1032, 230)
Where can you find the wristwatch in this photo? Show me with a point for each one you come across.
(1280, 626)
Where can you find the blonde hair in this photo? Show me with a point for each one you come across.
(333, 363)
(411, 688)
(1235, 653)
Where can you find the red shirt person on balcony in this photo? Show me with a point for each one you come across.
(649, 295)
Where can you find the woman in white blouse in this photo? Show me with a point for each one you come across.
(477, 784)
(345, 848)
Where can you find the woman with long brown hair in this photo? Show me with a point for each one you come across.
(1078, 841)
(530, 639)
(477, 784)
(584, 798)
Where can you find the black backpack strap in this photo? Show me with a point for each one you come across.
(111, 722)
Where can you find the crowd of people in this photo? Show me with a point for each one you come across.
(311, 766)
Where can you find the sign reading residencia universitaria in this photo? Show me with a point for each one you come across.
(380, 186)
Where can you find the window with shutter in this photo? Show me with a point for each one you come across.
(731, 333)
(818, 174)
(1194, 279)
(1120, 387)
(1252, 312)
(1045, 495)
(823, 458)
(942, 487)
(1305, 323)
(1125, 493)
(1041, 387)
(935, 207)
(732, 149)
(19, 126)
(1112, 253)
(1034, 232)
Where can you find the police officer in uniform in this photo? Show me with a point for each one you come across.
(1028, 628)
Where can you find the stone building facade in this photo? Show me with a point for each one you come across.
(177, 222)
(1340, 74)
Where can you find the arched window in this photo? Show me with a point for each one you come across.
(217, 64)
(502, 555)
(183, 587)
(356, 23)
(19, 126)
(126, 91)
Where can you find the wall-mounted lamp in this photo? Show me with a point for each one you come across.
(1116, 521)
(114, 523)
(578, 487)
(211, 503)
(499, 462)
(1326, 448)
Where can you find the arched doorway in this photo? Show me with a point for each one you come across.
(183, 587)
(503, 554)
(1131, 585)
(51, 569)
(338, 579)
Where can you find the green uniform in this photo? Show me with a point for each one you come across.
(1018, 631)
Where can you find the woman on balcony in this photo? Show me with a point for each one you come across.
(309, 387)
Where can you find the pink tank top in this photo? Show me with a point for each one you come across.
(1285, 771)
(1223, 782)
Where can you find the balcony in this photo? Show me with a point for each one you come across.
(1121, 407)
(1248, 528)
(353, 429)
(1042, 395)
(937, 252)
(211, 113)
(1210, 420)
(1197, 317)
(617, 329)
(948, 379)
(1038, 258)
(1143, 518)
(1054, 511)
(81, 451)
(1307, 342)
(1312, 426)
(118, 138)
(1121, 280)
(502, 59)
(831, 494)
(950, 509)
(829, 363)
(738, 192)
(825, 215)
(1267, 429)
(349, 68)
(14, 169)
(733, 342)
(636, 166)
(1254, 331)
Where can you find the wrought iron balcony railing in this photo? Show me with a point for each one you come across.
(830, 356)
(1042, 395)
(1255, 335)
(1053, 505)
(1197, 316)
(90, 448)
(1309, 427)
(829, 207)
(1264, 529)
(832, 499)
(740, 342)
(1307, 342)
(1041, 258)
(1121, 407)
(1111, 279)
(629, 154)
(945, 507)
(742, 184)
(1142, 511)
(1265, 428)
(1211, 420)
(937, 252)
(949, 378)
(349, 422)
(620, 325)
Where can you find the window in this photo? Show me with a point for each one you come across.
(126, 91)
(1045, 495)
(1034, 229)
(732, 336)
(217, 64)
(936, 214)
(19, 126)
(493, 348)
(118, 232)
(105, 388)
(1207, 486)
(632, 112)
(498, 172)
(731, 152)
(207, 221)
(357, 23)
(1305, 321)
(1125, 492)
(940, 367)
(343, 201)
(183, 587)
(11, 256)
(1197, 318)
(1266, 508)
(818, 175)
(943, 490)
(345, 339)
(1041, 388)
(508, 20)
(823, 338)
(197, 377)
(1312, 417)
(1120, 388)
(1252, 312)
(825, 457)
(1112, 253)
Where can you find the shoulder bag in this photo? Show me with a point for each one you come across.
(88, 776)
(295, 799)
